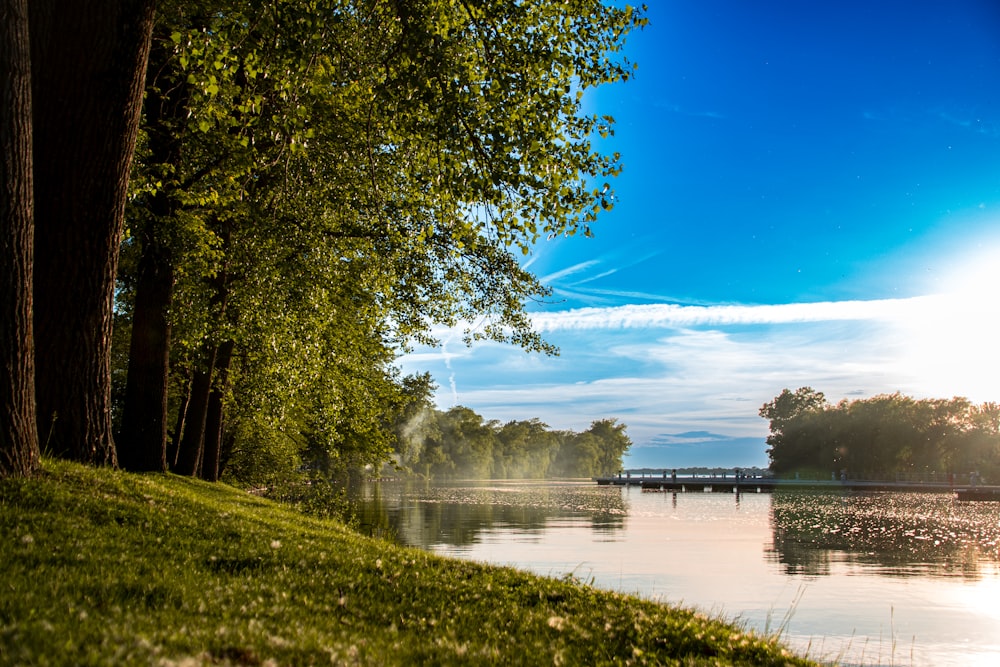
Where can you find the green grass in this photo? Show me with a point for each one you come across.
(99, 567)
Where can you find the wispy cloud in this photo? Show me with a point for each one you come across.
(605, 274)
(972, 123)
(676, 108)
(612, 296)
(618, 264)
(568, 271)
(690, 370)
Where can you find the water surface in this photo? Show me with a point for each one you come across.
(860, 578)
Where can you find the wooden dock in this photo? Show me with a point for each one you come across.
(731, 483)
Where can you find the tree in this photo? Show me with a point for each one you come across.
(982, 450)
(883, 434)
(786, 407)
(19, 452)
(87, 69)
(469, 442)
(579, 455)
(420, 141)
(461, 442)
(524, 450)
(614, 443)
(820, 441)
(415, 420)
(142, 439)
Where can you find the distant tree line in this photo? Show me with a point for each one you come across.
(460, 443)
(884, 434)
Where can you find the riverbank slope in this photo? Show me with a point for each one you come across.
(99, 567)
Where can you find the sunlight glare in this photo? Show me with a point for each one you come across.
(950, 346)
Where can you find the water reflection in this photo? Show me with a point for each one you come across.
(858, 578)
(894, 534)
(424, 515)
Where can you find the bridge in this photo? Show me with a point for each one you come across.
(666, 480)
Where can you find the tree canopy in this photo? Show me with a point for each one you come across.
(460, 443)
(316, 185)
(884, 434)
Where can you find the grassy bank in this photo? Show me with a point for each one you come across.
(103, 567)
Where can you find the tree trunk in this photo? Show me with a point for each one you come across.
(88, 68)
(191, 447)
(18, 433)
(214, 421)
(142, 442)
(173, 447)
(190, 457)
(228, 445)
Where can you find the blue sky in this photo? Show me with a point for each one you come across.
(811, 196)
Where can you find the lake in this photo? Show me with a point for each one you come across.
(873, 578)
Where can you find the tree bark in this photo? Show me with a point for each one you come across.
(19, 453)
(210, 468)
(88, 68)
(173, 447)
(191, 446)
(142, 442)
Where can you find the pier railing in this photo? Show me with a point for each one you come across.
(737, 480)
(955, 478)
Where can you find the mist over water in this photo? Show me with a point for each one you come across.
(860, 578)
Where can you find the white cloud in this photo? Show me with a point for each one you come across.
(670, 315)
(669, 369)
